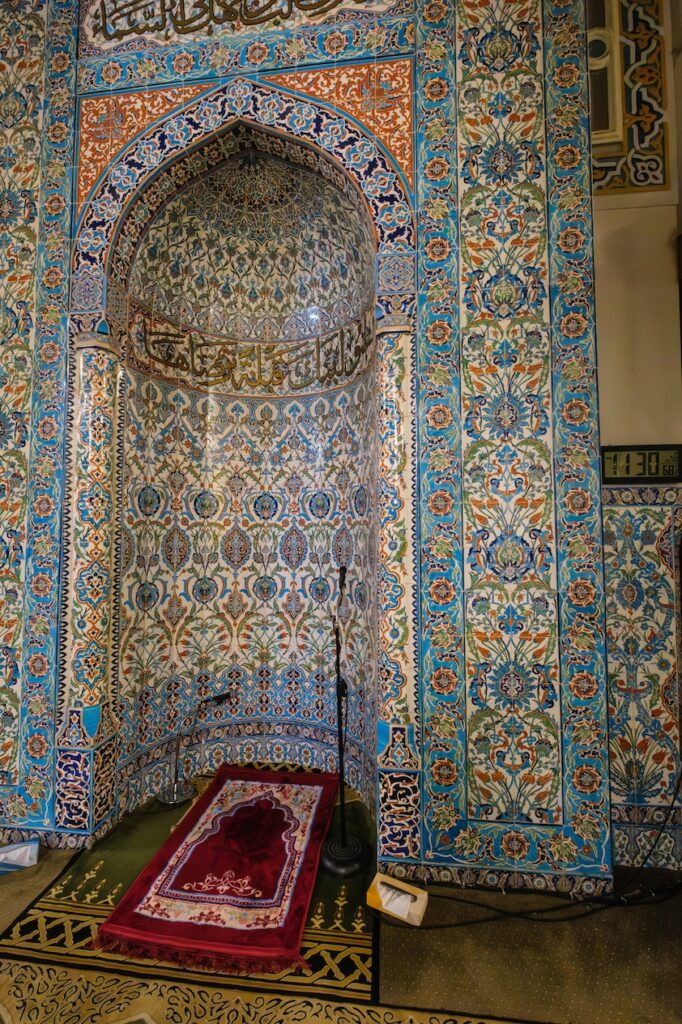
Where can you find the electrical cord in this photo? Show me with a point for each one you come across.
(533, 916)
(540, 916)
(661, 829)
(544, 915)
(637, 898)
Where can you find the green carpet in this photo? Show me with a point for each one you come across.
(48, 975)
(338, 940)
(621, 966)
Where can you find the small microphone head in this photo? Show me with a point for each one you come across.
(342, 578)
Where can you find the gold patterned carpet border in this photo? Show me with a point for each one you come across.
(50, 975)
(50, 995)
(59, 931)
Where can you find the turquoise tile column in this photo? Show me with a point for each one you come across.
(515, 765)
(37, 83)
(86, 761)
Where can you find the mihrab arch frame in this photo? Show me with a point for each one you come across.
(122, 201)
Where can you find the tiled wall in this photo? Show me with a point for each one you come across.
(492, 735)
(36, 140)
(21, 124)
(642, 535)
(249, 465)
(368, 174)
(237, 515)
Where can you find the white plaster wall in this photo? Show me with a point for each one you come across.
(677, 91)
(638, 328)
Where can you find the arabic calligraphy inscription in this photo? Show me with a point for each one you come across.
(115, 21)
(237, 366)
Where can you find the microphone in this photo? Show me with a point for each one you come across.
(342, 579)
(180, 790)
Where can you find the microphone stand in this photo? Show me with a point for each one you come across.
(346, 855)
(180, 790)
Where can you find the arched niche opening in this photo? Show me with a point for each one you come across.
(244, 279)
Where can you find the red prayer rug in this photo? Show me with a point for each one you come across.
(230, 888)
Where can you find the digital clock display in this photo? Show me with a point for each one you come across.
(624, 464)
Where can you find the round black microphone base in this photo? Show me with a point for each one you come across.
(345, 860)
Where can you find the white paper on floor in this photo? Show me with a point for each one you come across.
(18, 855)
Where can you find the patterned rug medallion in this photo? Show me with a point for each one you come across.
(231, 887)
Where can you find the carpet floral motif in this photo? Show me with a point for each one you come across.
(225, 884)
(235, 902)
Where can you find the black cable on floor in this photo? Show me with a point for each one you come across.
(595, 905)
(533, 916)
(621, 897)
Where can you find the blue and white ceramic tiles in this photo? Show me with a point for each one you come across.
(458, 435)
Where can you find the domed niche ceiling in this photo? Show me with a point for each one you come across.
(256, 250)
(250, 454)
(277, 254)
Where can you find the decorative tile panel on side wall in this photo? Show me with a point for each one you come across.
(576, 441)
(514, 769)
(33, 310)
(398, 739)
(438, 383)
(21, 82)
(528, 415)
(642, 537)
